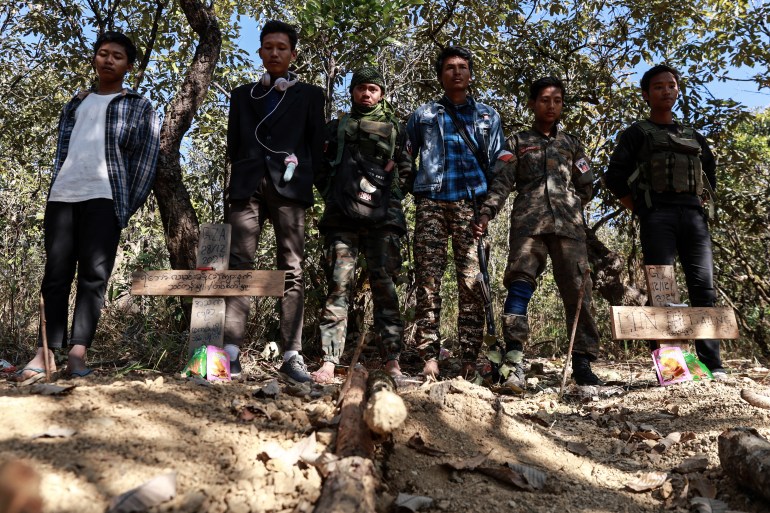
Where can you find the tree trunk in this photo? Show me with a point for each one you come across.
(745, 456)
(180, 222)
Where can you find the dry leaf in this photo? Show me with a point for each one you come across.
(648, 481)
(704, 505)
(270, 391)
(673, 409)
(578, 448)
(666, 443)
(412, 502)
(418, 444)
(704, 487)
(155, 491)
(535, 477)
(696, 464)
(687, 436)
(507, 476)
(49, 389)
(55, 432)
(647, 435)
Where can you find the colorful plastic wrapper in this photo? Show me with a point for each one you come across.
(697, 368)
(217, 364)
(197, 364)
(670, 365)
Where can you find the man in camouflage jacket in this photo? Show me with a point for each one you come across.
(552, 177)
(346, 237)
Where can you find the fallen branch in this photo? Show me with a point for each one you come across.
(745, 457)
(385, 410)
(351, 484)
(755, 399)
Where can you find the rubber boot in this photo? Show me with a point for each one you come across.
(582, 373)
(515, 335)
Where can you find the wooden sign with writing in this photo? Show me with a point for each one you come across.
(208, 283)
(661, 289)
(672, 323)
(207, 325)
(661, 284)
(214, 246)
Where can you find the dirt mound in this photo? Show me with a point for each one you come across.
(463, 446)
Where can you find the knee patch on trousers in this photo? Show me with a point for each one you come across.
(519, 294)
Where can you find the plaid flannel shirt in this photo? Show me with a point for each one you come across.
(463, 172)
(132, 144)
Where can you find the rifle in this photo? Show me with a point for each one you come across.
(490, 337)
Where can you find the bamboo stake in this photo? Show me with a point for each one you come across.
(581, 294)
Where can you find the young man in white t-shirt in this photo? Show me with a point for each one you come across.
(104, 170)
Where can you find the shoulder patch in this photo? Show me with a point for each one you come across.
(583, 166)
(505, 156)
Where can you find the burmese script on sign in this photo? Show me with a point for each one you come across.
(208, 283)
(647, 322)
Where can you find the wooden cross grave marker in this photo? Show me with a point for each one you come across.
(208, 284)
(663, 323)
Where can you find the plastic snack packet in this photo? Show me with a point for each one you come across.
(697, 369)
(670, 365)
(197, 364)
(217, 364)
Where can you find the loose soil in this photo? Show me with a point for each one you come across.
(232, 451)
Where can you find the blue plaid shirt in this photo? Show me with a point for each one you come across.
(463, 171)
(132, 144)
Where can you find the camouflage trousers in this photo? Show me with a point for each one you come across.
(435, 223)
(382, 250)
(527, 260)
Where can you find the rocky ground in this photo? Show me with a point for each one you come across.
(464, 447)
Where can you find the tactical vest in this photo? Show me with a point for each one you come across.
(364, 168)
(667, 162)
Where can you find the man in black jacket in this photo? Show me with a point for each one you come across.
(274, 141)
(660, 170)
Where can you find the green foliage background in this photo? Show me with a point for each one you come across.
(594, 45)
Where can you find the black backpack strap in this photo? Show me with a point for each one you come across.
(481, 157)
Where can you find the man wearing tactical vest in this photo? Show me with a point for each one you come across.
(552, 177)
(364, 167)
(660, 170)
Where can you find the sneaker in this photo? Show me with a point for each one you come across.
(582, 373)
(294, 369)
(517, 380)
(235, 368)
(720, 375)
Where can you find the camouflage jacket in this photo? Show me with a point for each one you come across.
(553, 181)
(333, 218)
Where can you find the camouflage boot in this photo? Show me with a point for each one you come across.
(515, 335)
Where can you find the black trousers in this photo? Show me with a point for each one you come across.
(79, 236)
(668, 231)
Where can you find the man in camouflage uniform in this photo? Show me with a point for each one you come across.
(346, 237)
(451, 175)
(552, 177)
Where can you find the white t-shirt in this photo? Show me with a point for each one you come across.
(83, 176)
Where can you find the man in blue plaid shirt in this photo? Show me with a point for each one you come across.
(104, 169)
(450, 174)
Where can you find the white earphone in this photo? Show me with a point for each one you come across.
(281, 84)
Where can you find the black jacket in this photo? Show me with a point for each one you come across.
(297, 126)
